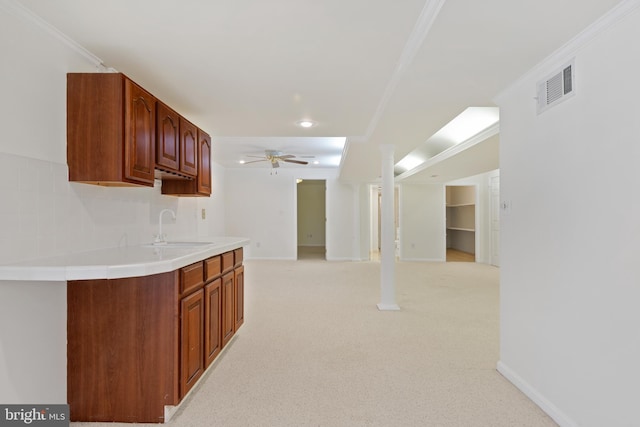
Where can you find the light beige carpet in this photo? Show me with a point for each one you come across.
(315, 351)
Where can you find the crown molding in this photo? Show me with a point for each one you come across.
(571, 48)
(19, 10)
(412, 46)
(450, 152)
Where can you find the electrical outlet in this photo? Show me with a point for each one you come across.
(505, 206)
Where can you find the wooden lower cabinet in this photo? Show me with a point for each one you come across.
(228, 316)
(135, 345)
(122, 352)
(212, 319)
(239, 296)
(192, 314)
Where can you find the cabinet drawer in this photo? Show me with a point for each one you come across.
(237, 254)
(227, 261)
(212, 268)
(191, 277)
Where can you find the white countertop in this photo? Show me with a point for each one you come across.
(114, 263)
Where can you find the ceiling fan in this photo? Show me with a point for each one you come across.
(275, 157)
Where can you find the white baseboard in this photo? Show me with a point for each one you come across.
(171, 410)
(388, 307)
(549, 408)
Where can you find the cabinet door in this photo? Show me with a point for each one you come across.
(239, 296)
(212, 321)
(188, 147)
(140, 133)
(204, 163)
(228, 316)
(191, 340)
(168, 138)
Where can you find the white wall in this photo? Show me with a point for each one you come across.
(423, 219)
(422, 222)
(569, 256)
(33, 336)
(343, 214)
(42, 214)
(364, 222)
(262, 206)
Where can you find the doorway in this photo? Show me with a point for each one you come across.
(461, 223)
(311, 213)
(495, 221)
(376, 223)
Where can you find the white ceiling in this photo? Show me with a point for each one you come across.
(374, 71)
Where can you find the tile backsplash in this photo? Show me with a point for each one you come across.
(42, 214)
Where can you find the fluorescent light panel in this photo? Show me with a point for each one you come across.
(467, 124)
(409, 162)
(470, 122)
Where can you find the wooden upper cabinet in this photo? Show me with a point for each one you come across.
(204, 164)
(111, 124)
(201, 185)
(177, 144)
(188, 147)
(168, 138)
(140, 137)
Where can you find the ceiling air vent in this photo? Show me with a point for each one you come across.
(556, 88)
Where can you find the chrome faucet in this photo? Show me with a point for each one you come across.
(161, 238)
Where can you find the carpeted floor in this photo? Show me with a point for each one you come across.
(315, 351)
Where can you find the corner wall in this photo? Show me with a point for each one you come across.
(569, 260)
(43, 215)
(262, 206)
(423, 219)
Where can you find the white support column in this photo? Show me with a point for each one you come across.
(388, 232)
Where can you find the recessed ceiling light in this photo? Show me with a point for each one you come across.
(306, 123)
(242, 162)
(315, 162)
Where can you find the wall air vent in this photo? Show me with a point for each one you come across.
(556, 88)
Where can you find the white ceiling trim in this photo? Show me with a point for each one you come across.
(570, 49)
(423, 25)
(412, 46)
(20, 10)
(456, 149)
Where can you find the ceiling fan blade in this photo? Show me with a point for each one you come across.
(259, 157)
(286, 156)
(300, 162)
(255, 161)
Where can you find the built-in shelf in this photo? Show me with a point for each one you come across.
(460, 229)
(461, 205)
(461, 218)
